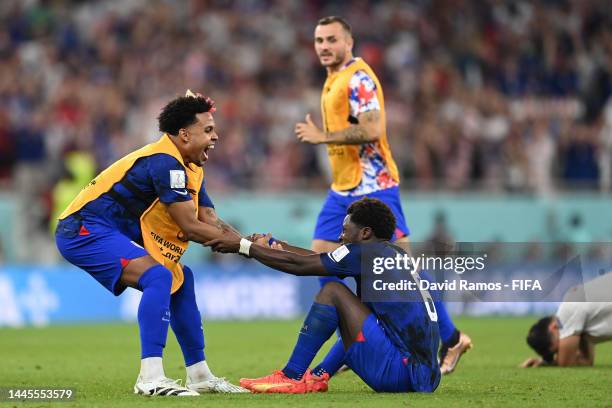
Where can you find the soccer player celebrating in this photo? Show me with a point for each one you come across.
(353, 110)
(391, 345)
(569, 338)
(129, 228)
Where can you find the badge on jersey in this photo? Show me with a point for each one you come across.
(177, 179)
(339, 253)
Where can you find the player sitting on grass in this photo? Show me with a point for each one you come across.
(355, 132)
(568, 338)
(390, 345)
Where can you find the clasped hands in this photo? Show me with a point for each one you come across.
(232, 245)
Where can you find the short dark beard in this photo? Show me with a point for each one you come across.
(337, 63)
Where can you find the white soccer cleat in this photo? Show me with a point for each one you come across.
(216, 385)
(164, 387)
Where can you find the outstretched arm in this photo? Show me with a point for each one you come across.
(184, 214)
(285, 261)
(296, 250)
(289, 262)
(209, 216)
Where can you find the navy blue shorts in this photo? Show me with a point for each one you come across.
(97, 248)
(381, 365)
(329, 222)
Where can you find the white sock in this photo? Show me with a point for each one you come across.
(151, 369)
(199, 372)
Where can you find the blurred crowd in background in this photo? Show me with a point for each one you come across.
(481, 95)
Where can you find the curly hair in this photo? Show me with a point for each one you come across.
(181, 112)
(539, 339)
(373, 213)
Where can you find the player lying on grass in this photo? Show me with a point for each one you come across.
(390, 345)
(568, 338)
(130, 226)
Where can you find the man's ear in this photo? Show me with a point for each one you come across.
(366, 233)
(554, 324)
(184, 135)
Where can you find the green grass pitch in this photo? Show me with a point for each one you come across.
(101, 362)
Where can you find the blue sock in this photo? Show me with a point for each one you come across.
(445, 323)
(332, 361)
(153, 311)
(322, 282)
(186, 321)
(319, 325)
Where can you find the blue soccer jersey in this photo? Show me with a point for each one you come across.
(407, 323)
(148, 179)
(105, 234)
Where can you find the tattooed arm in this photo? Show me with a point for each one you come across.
(367, 130)
(365, 116)
(198, 229)
(209, 216)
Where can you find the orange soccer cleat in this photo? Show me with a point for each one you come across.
(315, 383)
(278, 382)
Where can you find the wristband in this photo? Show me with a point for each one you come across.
(245, 246)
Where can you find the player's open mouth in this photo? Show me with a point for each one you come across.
(206, 150)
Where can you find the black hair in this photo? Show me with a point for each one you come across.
(335, 19)
(181, 112)
(539, 338)
(373, 213)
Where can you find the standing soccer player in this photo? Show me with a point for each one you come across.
(354, 129)
(390, 344)
(129, 228)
